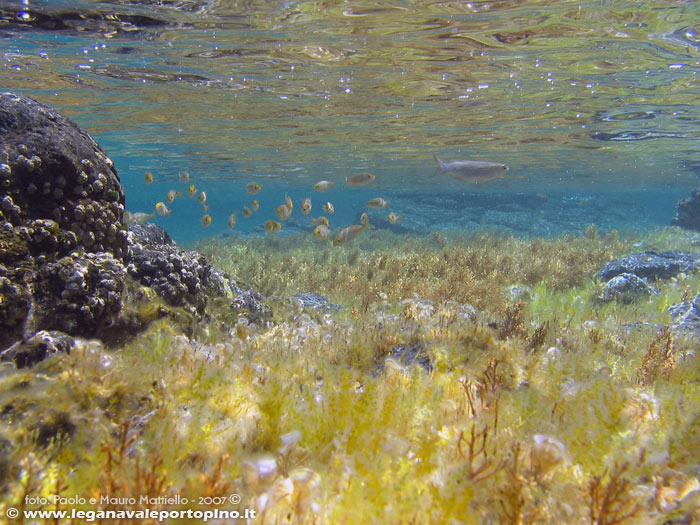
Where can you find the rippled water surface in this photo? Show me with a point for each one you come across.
(589, 103)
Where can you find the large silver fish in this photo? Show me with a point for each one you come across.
(471, 170)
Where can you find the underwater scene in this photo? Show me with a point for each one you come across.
(324, 261)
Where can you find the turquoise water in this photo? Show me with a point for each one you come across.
(593, 105)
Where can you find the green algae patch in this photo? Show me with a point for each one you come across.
(408, 404)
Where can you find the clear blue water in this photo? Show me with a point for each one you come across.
(593, 105)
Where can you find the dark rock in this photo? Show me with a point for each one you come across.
(37, 348)
(407, 355)
(181, 278)
(652, 264)
(53, 172)
(688, 212)
(15, 302)
(185, 278)
(686, 315)
(316, 302)
(80, 294)
(6, 462)
(249, 304)
(149, 234)
(625, 288)
(56, 425)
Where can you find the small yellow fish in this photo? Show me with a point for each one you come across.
(247, 212)
(393, 218)
(359, 179)
(348, 234)
(252, 188)
(232, 220)
(319, 220)
(364, 219)
(306, 206)
(162, 209)
(323, 185)
(321, 232)
(288, 203)
(172, 194)
(203, 197)
(192, 191)
(272, 227)
(377, 203)
(205, 208)
(283, 212)
(328, 207)
(184, 177)
(148, 178)
(255, 205)
(206, 220)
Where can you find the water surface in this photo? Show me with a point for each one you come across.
(583, 100)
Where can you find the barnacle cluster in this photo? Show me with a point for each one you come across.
(433, 395)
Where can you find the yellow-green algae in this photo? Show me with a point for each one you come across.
(556, 410)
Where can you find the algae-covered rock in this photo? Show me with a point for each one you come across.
(686, 315)
(185, 278)
(652, 264)
(38, 347)
(316, 302)
(625, 288)
(15, 301)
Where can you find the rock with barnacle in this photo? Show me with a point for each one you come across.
(66, 261)
(186, 278)
(59, 197)
(50, 169)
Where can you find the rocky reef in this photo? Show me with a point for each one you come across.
(67, 264)
(688, 212)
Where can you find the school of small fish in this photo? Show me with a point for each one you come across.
(461, 170)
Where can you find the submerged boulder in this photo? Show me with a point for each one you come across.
(50, 169)
(314, 301)
(688, 212)
(652, 264)
(61, 204)
(185, 278)
(38, 347)
(686, 315)
(625, 288)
